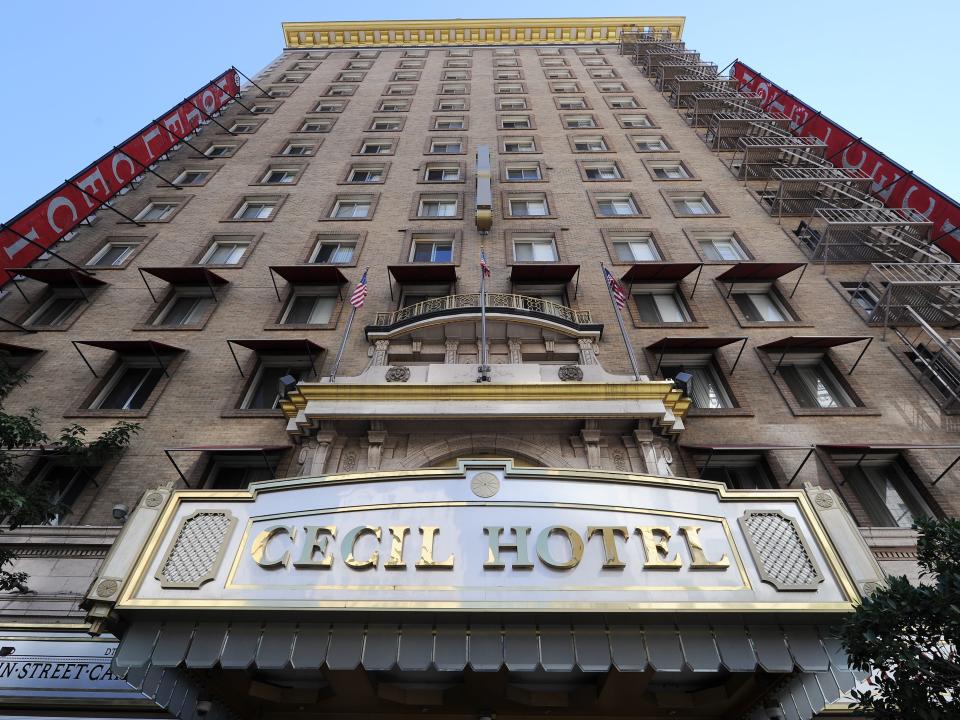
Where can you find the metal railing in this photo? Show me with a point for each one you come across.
(495, 301)
(867, 235)
(933, 362)
(799, 191)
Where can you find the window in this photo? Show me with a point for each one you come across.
(616, 205)
(350, 77)
(573, 103)
(519, 145)
(315, 126)
(243, 128)
(508, 89)
(437, 207)
(279, 91)
(453, 89)
(264, 390)
(449, 123)
(448, 75)
(299, 148)
(292, 78)
(602, 171)
(762, 306)
(350, 209)
(511, 103)
(447, 145)
(114, 254)
(57, 308)
(157, 212)
(564, 87)
(688, 204)
(635, 248)
(575, 122)
(255, 210)
(611, 87)
(334, 252)
(407, 75)
(558, 74)
(192, 177)
(815, 385)
(386, 124)
(659, 306)
(339, 90)
(459, 53)
(330, 106)
(455, 63)
(394, 105)
(741, 471)
(220, 150)
(263, 109)
(721, 248)
(669, 171)
(280, 176)
(309, 306)
(863, 295)
(64, 484)
(649, 143)
(359, 65)
(883, 484)
(527, 172)
(515, 122)
(528, 206)
(448, 105)
(185, 307)
(602, 73)
(129, 386)
(548, 51)
(431, 251)
(534, 248)
(623, 103)
(225, 252)
(366, 175)
(707, 389)
(635, 121)
(376, 147)
(442, 173)
(591, 143)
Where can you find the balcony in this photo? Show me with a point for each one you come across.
(726, 128)
(665, 74)
(910, 292)
(702, 105)
(868, 234)
(497, 303)
(756, 157)
(800, 191)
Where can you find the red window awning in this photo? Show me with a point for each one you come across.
(543, 273)
(17, 350)
(263, 450)
(186, 275)
(59, 277)
(653, 272)
(424, 273)
(130, 347)
(694, 344)
(865, 450)
(814, 342)
(746, 272)
(310, 274)
(278, 346)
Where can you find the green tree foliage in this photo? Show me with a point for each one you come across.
(21, 439)
(909, 635)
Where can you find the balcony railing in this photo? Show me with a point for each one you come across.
(495, 301)
(933, 361)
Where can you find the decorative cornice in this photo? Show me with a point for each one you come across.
(519, 31)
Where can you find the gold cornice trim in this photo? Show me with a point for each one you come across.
(662, 390)
(492, 31)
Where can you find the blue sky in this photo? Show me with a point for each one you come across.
(82, 76)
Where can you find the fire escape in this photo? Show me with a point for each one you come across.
(910, 286)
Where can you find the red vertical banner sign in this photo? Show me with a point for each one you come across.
(891, 182)
(60, 211)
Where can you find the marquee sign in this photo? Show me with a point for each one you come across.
(483, 536)
(894, 184)
(46, 221)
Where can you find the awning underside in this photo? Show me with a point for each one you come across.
(453, 647)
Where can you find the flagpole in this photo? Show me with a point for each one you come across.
(343, 340)
(623, 330)
(483, 369)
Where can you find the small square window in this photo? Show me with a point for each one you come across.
(515, 122)
(220, 150)
(157, 212)
(635, 247)
(316, 126)
(280, 176)
(442, 173)
(453, 75)
(453, 89)
(508, 89)
(660, 306)
(367, 174)
(293, 77)
(528, 206)
(511, 103)
(185, 307)
(602, 171)
(649, 143)
(602, 73)
(431, 250)
(560, 74)
(635, 121)
(519, 145)
(569, 88)
(351, 209)
(578, 122)
(669, 170)
(263, 109)
(300, 149)
(394, 105)
(616, 206)
(386, 124)
(279, 91)
(255, 210)
(56, 309)
(691, 204)
(589, 143)
(403, 75)
(129, 385)
(435, 207)
(623, 103)
(312, 306)
(611, 87)
(192, 177)
(506, 75)
(708, 391)
(448, 146)
(451, 105)
(350, 77)
(449, 123)
(243, 128)
(339, 251)
(330, 106)
(527, 172)
(534, 248)
(571, 103)
(376, 147)
(225, 252)
(410, 65)
(720, 247)
(340, 91)
(114, 254)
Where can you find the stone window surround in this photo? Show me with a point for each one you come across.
(357, 237)
(423, 233)
(171, 292)
(294, 164)
(782, 298)
(612, 234)
(422, 171)
(648, 166)
(514, 159)
(436, 194)
(373, 197)
(316, 141)
(734, 388)
(250, 238)
(518, 194)
(402, 119)
(93, 388)
(512, 234)
(277, 198)
(693, 235)
(594, 197)
(143, 241)
(567, 114)
(690, 304)
(339, 299)
(345, 178)
(670, 195)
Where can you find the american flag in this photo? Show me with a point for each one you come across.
(359, 292)
(619, 294)
(484, 268)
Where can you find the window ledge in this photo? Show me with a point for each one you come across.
(720, 412)
(240, 413)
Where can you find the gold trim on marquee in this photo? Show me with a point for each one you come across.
(518, 31)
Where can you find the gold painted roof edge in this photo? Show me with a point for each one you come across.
(453, 32)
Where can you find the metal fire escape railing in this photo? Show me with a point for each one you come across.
(929, 291)
(933, 361)
(867, 235)
(799, 191)
(682, 88)
(726, 128)
(700, 107)
(495, 301)
(665, 74)
(755, 158)
(649, 62)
